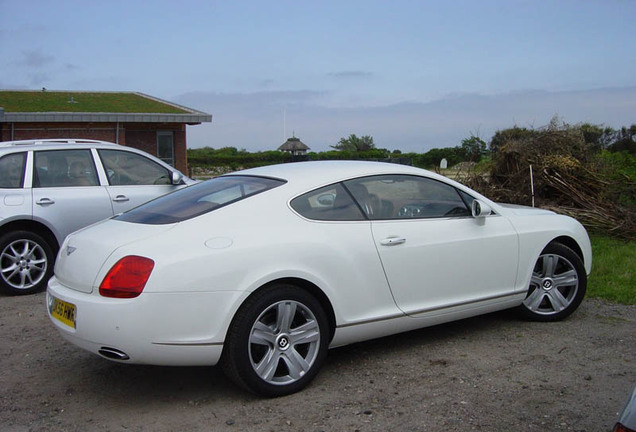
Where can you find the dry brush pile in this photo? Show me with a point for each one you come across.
(570, 176)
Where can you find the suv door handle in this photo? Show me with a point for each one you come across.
(392, 241)
(45, 201)
(121, 198)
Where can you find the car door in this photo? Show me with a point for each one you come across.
(133, 179)
(434, 253)
(66, 192)
(338, 244)
(15, 200)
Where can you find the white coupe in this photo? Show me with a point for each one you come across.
(265, 269)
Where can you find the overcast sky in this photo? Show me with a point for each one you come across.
(412, 74)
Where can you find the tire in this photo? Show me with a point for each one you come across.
(277, 341)
(26, 263)
(557, 286)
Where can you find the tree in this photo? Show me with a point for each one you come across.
(625, 140)
(502, 137)
(474, 148)
(355, 144)
(598, 137)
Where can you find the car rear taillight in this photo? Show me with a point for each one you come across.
(620, 428)
(127, 278)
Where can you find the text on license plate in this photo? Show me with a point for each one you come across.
(64, 312)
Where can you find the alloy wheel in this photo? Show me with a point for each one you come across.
(23, 264)
(284, 342)
(553, 286)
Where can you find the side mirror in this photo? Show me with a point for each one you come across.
(480, 209)
(176, 177)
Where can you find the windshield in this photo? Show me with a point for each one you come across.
(198, 199)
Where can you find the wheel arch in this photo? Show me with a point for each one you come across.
(35, 227)
(542, 306)
(312, 289)
(572, 244)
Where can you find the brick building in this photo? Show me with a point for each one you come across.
(127, 118)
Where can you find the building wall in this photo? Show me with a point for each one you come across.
(142, 136)
(97, 131)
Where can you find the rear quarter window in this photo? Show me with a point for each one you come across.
(12, 170)
(329, 203)
(199, 199)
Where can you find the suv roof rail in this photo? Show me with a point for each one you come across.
(48, 141)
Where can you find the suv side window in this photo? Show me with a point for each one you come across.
(128, 168)
(64, 168)
(12, 170)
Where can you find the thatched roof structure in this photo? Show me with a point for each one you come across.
(294, 146)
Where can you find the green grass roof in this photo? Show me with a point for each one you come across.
(83, 102)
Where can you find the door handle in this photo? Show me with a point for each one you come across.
(121, 198)
(392, 241)
(45, 201)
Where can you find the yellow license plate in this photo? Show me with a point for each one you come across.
(63, 312)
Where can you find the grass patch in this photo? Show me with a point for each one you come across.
(613, 275)
(59, 101)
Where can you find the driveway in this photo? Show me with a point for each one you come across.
(492, 373)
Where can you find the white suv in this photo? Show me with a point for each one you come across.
(50, 188)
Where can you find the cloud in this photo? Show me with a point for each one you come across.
(70, 67)
(266, 83)
(38, 78)
(33, 67)
(350, 74)
(260, 121)
(35, 59)
(264, 100)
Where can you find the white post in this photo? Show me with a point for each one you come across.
(532, 185)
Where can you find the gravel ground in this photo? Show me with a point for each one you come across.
(491, 373)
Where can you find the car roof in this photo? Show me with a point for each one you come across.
(56, 143)
(312, 174)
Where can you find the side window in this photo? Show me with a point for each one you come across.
(467, 198)
(406, 197)
(64, 168)
(236, 188)
(330, 203)
(12, 170)
(199, 199)
(128, 168)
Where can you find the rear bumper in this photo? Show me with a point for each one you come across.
(172, 329)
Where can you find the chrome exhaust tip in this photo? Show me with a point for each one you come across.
(113, 354)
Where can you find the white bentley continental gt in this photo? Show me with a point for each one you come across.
(263, 270)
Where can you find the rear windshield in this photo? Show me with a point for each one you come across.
(198, 199)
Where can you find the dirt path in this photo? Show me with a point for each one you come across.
(492, 373)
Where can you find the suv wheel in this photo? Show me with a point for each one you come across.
(26, 263)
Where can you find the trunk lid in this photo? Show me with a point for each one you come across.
(84, 252)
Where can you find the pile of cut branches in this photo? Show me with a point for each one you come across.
(568, 177)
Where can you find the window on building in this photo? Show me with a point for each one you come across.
(165, 146)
